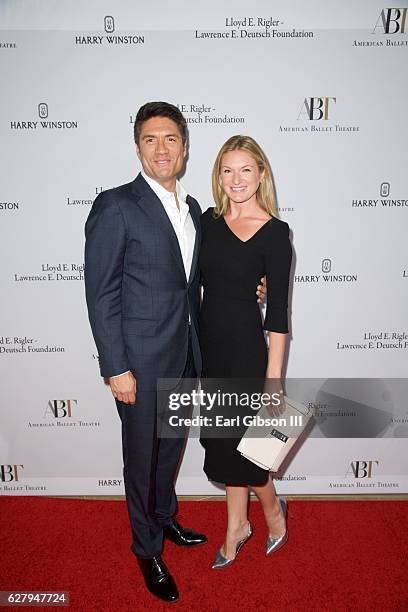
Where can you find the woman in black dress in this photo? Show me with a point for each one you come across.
(243, 240)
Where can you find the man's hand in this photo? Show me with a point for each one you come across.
(124, 388)
(261, 291)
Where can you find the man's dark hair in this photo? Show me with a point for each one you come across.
(160, 109)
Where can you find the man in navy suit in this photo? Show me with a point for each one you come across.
(142, 290)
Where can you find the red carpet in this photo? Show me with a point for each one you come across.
(341, 556)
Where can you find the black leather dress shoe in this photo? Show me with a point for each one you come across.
(158, 579)
(183, 537)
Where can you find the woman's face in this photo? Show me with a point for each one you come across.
(240, 176)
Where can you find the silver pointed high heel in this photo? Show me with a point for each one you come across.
(273, 544)
(221, 561)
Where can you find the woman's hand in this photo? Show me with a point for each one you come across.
(276, 406)
(261, 291)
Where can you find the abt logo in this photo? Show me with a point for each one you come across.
(10, 473)
(60, 409)
(361, 469)
(391, 21)
(316, 108)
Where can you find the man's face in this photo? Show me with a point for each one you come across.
(161, 151)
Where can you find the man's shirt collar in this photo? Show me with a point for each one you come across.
(162, 193)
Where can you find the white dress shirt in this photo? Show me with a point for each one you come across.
(180, 219)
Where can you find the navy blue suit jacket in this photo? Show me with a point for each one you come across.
(139, 299)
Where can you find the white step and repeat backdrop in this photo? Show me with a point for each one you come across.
(323, 88)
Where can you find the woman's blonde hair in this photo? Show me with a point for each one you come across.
(265, 194)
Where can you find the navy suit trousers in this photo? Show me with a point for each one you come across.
(149, 469)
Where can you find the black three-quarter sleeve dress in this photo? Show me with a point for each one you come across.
(232, 335)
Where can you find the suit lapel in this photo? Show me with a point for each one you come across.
(197, 240)
(154, 208)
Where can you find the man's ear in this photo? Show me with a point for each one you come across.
(137, 150)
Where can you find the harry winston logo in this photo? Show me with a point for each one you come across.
(326, 265)
(108, 39)
(43, 110)
(109, 24)
(391, 21)
(384, 190)
(316, 108)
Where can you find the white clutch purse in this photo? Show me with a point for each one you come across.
(269, 439)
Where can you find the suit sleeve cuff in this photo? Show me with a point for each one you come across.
(116, 375)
